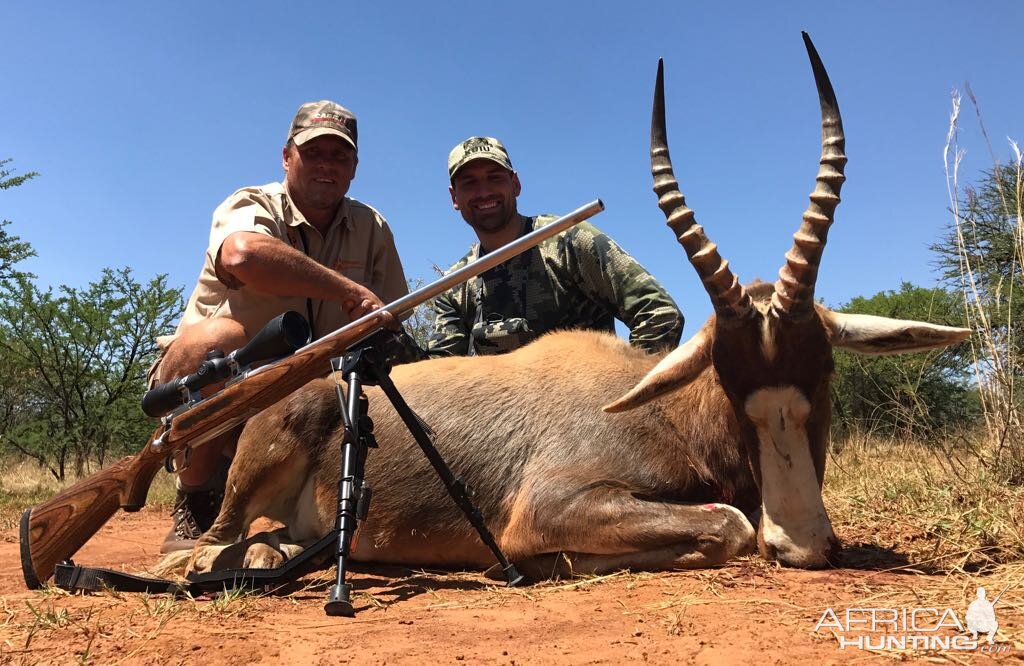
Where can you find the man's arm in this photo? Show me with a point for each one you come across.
(269, 265)
(616, 279)
(450, 336)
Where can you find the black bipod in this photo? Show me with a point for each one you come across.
(367, 365)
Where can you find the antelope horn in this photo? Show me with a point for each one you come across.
(728, 296)
(794, 290)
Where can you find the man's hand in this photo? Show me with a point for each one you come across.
(360, 301)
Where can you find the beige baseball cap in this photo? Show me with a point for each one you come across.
(477, 147)
(324, 117)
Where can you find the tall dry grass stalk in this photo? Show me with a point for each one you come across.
(989, 298)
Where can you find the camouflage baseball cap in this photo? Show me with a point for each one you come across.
(324, 117)
(477, 147)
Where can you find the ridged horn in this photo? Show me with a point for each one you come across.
(794, 290)
(728, 296)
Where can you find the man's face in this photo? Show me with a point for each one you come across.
(319, 172)
(485, 193)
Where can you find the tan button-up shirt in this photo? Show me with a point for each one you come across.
(358, 244)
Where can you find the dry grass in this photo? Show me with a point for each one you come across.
(924, 506)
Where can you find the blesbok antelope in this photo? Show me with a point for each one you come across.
(731, 424)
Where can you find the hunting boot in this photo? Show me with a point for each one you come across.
(195, 509)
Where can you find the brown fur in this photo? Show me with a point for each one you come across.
(563, 485)
(551, 472)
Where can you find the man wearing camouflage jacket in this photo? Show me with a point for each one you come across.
(578, 279)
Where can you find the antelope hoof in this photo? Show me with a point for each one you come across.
(263, 556)
(738, 536)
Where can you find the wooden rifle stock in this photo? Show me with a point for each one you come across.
(54, 531)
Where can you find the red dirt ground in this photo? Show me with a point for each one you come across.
(750, 612)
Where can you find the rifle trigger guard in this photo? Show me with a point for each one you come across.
(186, 460)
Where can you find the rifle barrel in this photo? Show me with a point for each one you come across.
(205, 419)
(407, 303)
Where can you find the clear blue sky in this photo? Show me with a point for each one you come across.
(142, 117)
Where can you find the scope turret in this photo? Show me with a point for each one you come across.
(280, 337)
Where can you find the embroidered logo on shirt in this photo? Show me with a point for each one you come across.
(341, 265)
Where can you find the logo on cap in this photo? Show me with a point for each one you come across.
(477, 147)
(315, 119)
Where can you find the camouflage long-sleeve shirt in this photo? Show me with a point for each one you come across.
(577, 279)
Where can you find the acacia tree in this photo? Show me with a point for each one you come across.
(82, 355)
(73, 362)
(905, 395)
(12, 249)
(982, 250)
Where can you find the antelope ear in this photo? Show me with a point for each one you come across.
(868, 334)
(677, 369)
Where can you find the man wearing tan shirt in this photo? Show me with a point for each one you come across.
(298, 245)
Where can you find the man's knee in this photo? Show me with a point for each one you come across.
(193, 343)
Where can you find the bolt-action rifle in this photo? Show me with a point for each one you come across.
(54, 531)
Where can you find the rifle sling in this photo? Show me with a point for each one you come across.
(73, 577)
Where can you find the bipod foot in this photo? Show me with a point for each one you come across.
(339, 603)
(512, 575)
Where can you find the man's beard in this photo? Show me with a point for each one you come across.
(491, 221)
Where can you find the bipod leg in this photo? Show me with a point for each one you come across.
(456, 486)
(353, 495)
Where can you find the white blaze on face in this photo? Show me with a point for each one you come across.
(793, 521)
